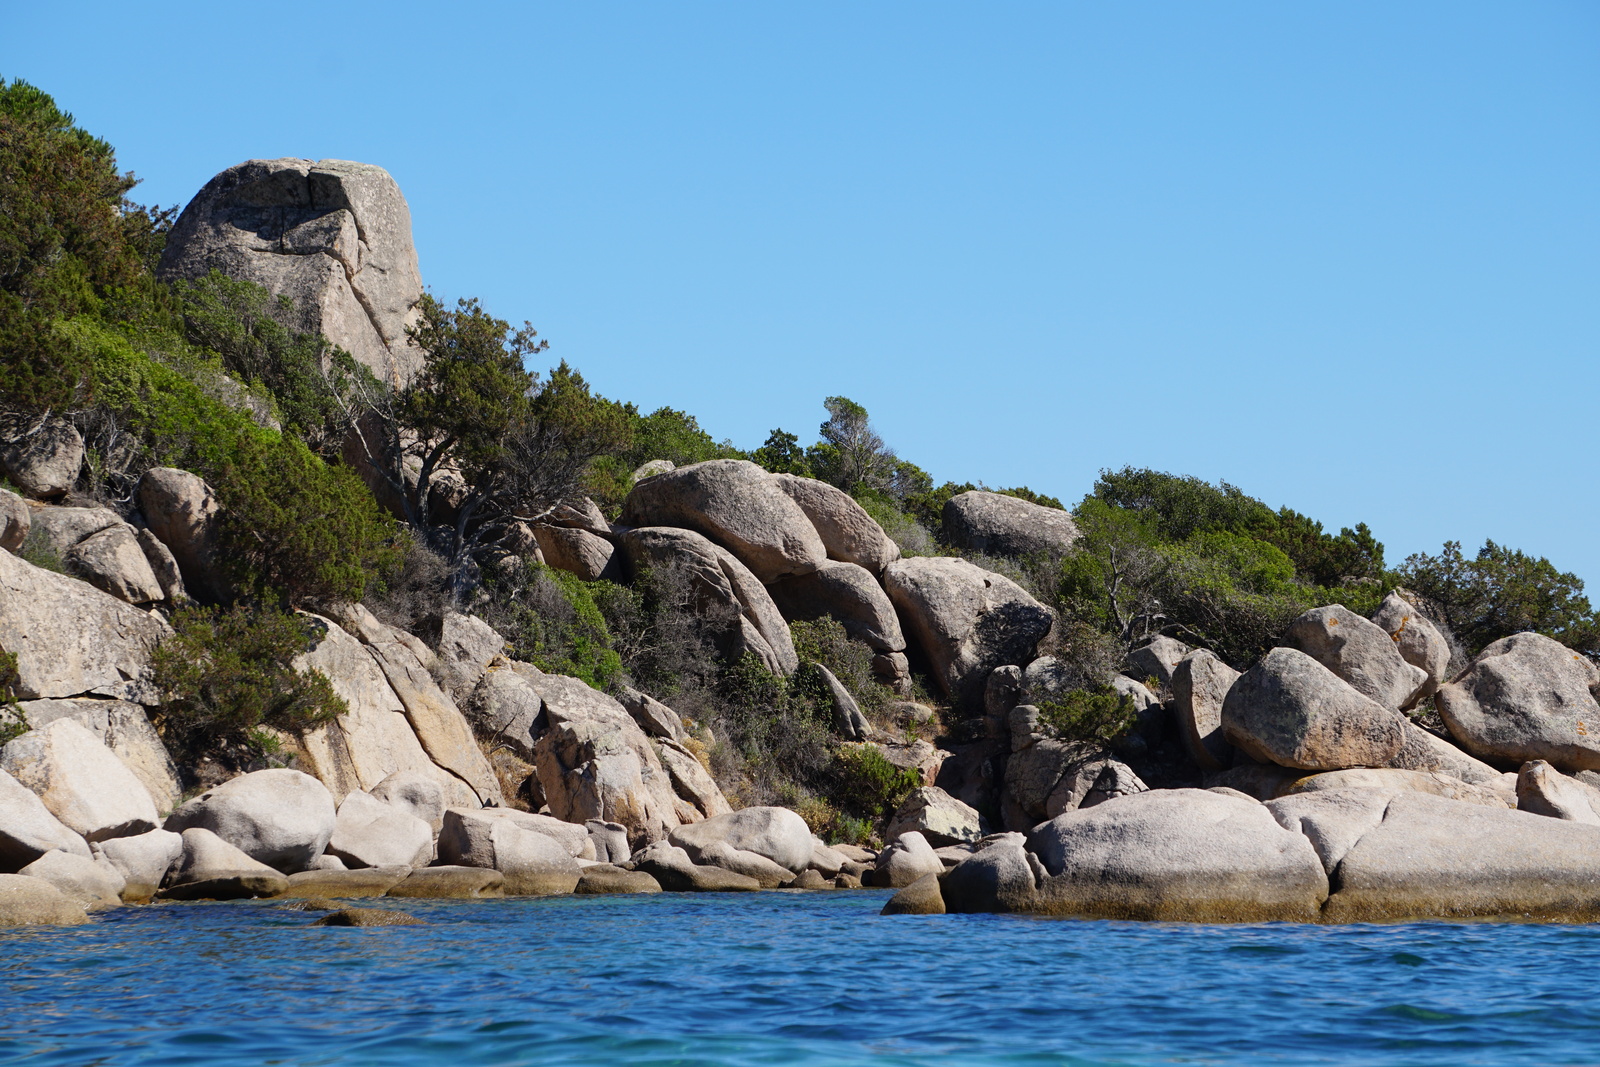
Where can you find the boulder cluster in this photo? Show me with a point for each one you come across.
(1323, 800)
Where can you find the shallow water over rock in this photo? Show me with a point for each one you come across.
(780, 978)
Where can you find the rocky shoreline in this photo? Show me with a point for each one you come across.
(1306, 787)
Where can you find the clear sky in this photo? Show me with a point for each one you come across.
(1345, 256)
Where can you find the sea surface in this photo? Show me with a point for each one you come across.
(783, 978)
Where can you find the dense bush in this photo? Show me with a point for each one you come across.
(865, 780)
(553, 620)
(226, 678)
(1098, 714)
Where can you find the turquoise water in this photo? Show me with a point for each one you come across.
(783, 978)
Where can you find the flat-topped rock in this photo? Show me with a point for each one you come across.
(1002, 525)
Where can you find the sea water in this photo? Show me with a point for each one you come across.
(783, 978)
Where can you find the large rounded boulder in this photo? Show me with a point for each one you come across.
(1290, 710)
(1360, 652)
(279, 817)
(778, 834)
(1418, 640)
(1002, 525)
(1188, 855)
(967, 620)
(737, 505)
(1526, 697)
(848, 533)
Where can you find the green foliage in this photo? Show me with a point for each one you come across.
(225, 676)
(867, 782)
(851, 454)
(824, 641)
(38, 550)
(553, 620)
(12, 723)
(782, 454)
(314, 384)
(1500, 592)
(1098, 715)
(295, 528)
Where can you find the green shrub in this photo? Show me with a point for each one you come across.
(225, 679)
(824, 641)
(1100, 715)
(868, 783)
(12, 724)
(553, 620)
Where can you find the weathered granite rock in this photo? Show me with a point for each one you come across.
(164, 565)
(16, 520)
(609, 840)
(1358, 651)
(1418, 641)
(211, 869)
(1543, 790)
(125, 729)
(93, 886)
(847, 717)
(1001, 877)
(766, 873)
(1200, 683)
(81, 781)
(722, 586)
(278, 817)
(413, 792)
(775, 833)
(848, 533)
(42, 456)
(653, 717)
(27, 828)
(71, 639)
(452, 883)
(59, 528)
(506, 709)
(114, 561)
(1178, 854)
(370, 833)
(578, 552)
(940, 818)
(1436, 858)
(1333, 820)
(332, 235)
(438, 724)
(1004, 525)
(1397, 779)
(845, 592)
(143, 861)
(737, 505)
(691, 781)
(1526, 697)
(374, 739)
(533, 863)
(604, 879)
(967, 620)
(653, 468)
(365, 917)
(922, 897)
(1291, 710)
(181, 510)
(675, 872)
(575, 839)
(597, 769)
(28, 901)
(467, 646)
(905, 860)
(1422, 751)
(1157, 659)
(1004, 689)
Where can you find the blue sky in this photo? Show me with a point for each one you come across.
(1345, 256)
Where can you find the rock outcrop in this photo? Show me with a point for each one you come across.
(16, 519)
(125, 729)
(80, 781)
(1200, 684)
(966, 619)
(1359, 652)
(281, 818)
(738, 506)
(1002, 525)
(71, 639)
(848, 533)
(181, 511)
(28, 829)
(940, 818)
(723, 588)
(776, 834)
(1526, 697)
(28, 901)
(332, 235)
(1178, 854)
(1418, 641)
(42, 456)
(1292, 711)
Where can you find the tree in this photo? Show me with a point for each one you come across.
(782, 454)
(851, 453)
(519, 447)
(1112, 578)
(1500, 592)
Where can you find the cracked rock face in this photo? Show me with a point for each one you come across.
(333, 235)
